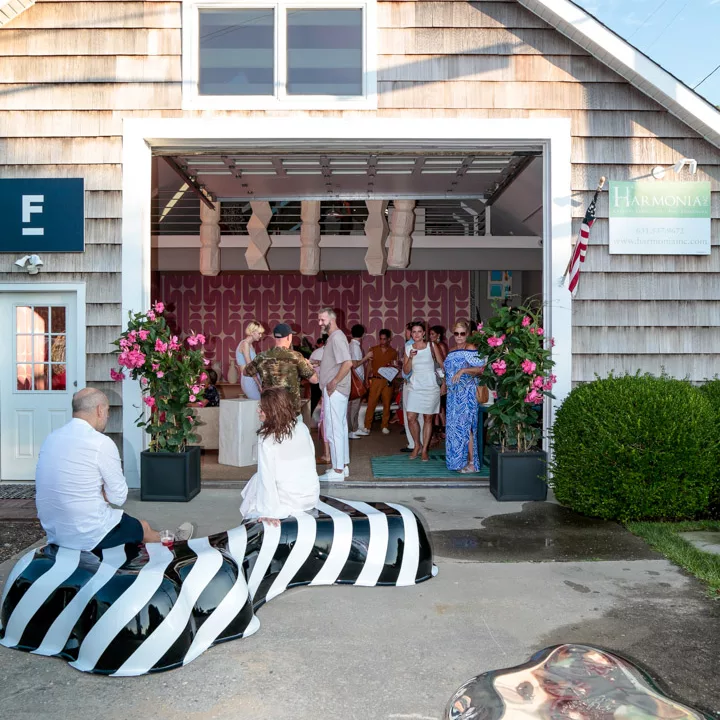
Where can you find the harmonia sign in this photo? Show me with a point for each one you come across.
(659, 218)
(42, 215)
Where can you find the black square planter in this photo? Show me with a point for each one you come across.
(170, 477)
(518, 476)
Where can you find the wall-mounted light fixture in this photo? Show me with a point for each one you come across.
(30, 263)
(658, 172)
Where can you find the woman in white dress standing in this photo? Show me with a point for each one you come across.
(286, 481)
(244, 354)
(423, 390)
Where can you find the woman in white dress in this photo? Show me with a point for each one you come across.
(286, 481)
(244, 354)
(423, 391)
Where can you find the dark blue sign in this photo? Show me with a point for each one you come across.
(42, 215)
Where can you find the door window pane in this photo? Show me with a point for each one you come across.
(23, 319)
(59, 378)
(24, 377)
(41, 375)
(41, 320)
(324, 52)
(57, 316)
(237, 52)
(24, 348)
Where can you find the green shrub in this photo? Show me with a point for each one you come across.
(635, 447)
(711, 390)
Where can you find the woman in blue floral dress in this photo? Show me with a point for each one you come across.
(462, 365)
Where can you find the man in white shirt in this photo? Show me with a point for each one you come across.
(334, 375)
(359, 359)
(77, 478)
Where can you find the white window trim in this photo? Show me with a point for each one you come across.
(192, 100)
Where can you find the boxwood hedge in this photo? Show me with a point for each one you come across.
(636, 447)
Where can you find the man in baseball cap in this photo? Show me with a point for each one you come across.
(281, 366)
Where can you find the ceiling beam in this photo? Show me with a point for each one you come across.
(193, 184)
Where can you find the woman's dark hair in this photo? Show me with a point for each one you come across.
(439, 330)
(212, 376)
(357, 331)
(280, 414)
(418, 323)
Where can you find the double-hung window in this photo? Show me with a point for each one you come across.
(314, 54)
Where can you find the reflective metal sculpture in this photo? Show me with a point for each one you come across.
(131, 610)
(567, 681)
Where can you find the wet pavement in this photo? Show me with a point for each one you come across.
(541, 532)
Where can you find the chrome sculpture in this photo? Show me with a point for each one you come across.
(580, 682)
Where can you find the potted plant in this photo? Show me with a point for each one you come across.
(171, 374)
(517, 372)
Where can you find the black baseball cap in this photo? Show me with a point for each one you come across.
(282, 330)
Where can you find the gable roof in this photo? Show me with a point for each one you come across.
(10, 9)
(628, 62)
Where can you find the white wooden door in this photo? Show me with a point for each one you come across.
(38, 374)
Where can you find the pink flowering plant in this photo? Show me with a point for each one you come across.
(517, 372)
(171, 374)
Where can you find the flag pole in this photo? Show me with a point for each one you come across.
(600, 186)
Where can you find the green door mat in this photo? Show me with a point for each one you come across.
(399, 466)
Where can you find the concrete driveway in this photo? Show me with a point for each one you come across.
(372, 653)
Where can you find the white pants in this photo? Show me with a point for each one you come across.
(421, 418)
(336, 428)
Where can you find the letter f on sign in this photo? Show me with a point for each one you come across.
(32, 204)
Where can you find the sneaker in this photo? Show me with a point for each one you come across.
(386, 431)
(346, 471)
(354, 435)
(362, 431)
(406, 449)
(185, 531)
(332, 476)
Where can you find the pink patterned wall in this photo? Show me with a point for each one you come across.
(221, 306)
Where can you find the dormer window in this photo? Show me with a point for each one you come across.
(248, 55)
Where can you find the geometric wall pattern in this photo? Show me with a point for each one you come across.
(221, 306)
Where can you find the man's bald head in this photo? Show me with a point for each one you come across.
(92, 406)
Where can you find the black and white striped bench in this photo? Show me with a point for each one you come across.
(133, 610)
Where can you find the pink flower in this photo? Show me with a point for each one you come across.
(158, 307)
(533, 331)
(155, 366)
(494, 394)
(203, 377)
(547, 386)
(479, 326)
(124, 343)
(160, 346)
(499, 367)
(206, 362)
(552, 342)
(538, 381)
(143, 381)
(553, 379)
(160, 374)
(151, 315)
(174, 344)
(528, 366)
(116, 376)
(200, 339)
(195, 389)
(526, 321)
(192, 340)
(540, 331)
(143, 334)
(495, 341)
(192, 398)
(149, 401)
(533, 397)
(190, 418)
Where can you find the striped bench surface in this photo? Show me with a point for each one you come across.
(131, 610)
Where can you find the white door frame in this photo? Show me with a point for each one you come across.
(141, 135)
(50, 287)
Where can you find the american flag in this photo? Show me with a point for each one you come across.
(581, 246)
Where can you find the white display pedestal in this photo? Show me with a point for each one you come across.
(239, 423)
